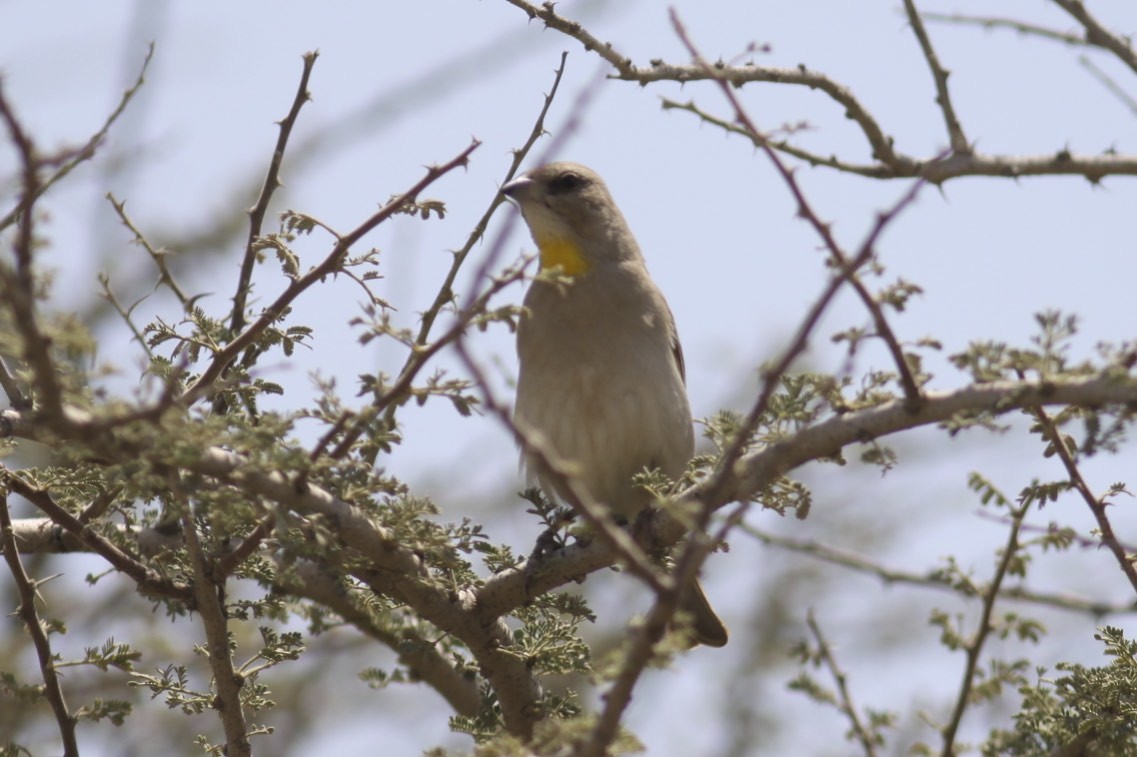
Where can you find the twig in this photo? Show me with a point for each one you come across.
(445, 292)
(1085, 542)
(1098, 35)
(223, 357)
(233, 559)
(271, 183)
(87, 150)
(207, 593)
(845, 699)
(1000, 22)
(933, 579)
(1109, 83)
(983, 628)
(636, 659)
(26, 589)
(890, 164)
(958, 141)
(390, 400)
(125, 313)
(158, 256)
(880, 144)
(1097, 506)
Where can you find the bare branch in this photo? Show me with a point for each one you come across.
(158, 256)
(939, 169)
(271, 183)
(845, 699)
(956, 138)
(1001, 22)
(17, 287)
(74, 157)
(1098, 35)
(889, 163)
(1109, 83)
(446, 294)
(846, 272)
(933, 579)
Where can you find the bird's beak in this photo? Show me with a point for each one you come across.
(519, 186)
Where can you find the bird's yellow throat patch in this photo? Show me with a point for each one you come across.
(557, 252)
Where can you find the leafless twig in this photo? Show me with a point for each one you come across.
(73, 158)
(271, 183)
(844, 698)
(934, 579)
(956, 137)
(889, 164)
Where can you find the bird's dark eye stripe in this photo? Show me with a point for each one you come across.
(566, 182)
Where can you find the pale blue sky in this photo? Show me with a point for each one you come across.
(717, 225)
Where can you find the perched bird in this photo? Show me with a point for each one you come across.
(602, 377)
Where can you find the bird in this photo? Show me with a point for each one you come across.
(601, 377)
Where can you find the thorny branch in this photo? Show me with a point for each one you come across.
(26, 589)
(223, 357)
(271, 184)
(888, 162)
(847, 268)
(69, 159)
(1097, 505)
(956, 137)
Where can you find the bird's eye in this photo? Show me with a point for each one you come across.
(566, 182)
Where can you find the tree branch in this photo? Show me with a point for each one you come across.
(759, 469)
(149, 581)
(844, 698)
(224, 357)
(207, 596)
(889, 164)
(933, 579)
(271, 184)
(421, 657)
(1098, 35)
(72, 158)
(1097, 505)
(983, 628)
(956, 137)
(847, 267)
(26, 589)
